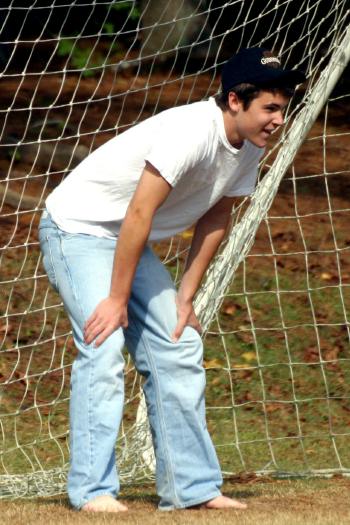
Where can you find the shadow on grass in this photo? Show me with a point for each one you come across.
(59, 501)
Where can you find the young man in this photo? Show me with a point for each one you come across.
(183, 166)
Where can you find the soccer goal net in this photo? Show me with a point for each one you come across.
(275, 302)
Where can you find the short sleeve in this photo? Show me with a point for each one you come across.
(178, 146)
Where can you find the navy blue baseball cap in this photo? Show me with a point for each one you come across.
(260, 67)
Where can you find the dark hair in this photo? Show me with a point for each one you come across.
(248, 92)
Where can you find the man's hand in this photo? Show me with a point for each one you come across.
(107, 317)
(185, 317)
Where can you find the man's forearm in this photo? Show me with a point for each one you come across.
(150, 193)
(206, 241)
(111, 312)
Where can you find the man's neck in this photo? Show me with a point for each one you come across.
(230, 129)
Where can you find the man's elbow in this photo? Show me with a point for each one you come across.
(216, 221)
(139, 214)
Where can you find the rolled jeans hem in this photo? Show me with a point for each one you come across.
(191, 503)
(86, 500)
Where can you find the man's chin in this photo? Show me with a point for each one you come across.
(259, 143)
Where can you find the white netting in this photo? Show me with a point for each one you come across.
(74, 74)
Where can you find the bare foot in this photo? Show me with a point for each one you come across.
(222, 502)
(104, 504)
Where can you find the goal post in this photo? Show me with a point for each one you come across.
(238, 245)
(275, 312)
(242, 236)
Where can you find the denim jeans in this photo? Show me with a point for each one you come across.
(79, 267)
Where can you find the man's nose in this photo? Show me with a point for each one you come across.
(279, 119)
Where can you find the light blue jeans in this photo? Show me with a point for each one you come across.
(79, 267)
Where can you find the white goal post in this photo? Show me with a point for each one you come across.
(275, 313)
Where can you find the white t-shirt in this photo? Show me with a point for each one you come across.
(186, 144)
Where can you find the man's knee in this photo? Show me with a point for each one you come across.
(185, 355)
(108, 355)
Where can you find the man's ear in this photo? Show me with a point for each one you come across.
(233, 101)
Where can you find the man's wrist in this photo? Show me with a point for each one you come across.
(118, 299)
(185, 298)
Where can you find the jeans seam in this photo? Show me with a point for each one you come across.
(91, 434)
(91, 375)
(51, 260)
(169, 463)
(74, 290)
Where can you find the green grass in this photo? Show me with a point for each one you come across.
(277, 388)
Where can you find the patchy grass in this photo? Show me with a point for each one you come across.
(270, 502)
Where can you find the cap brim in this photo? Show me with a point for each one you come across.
(281, 78)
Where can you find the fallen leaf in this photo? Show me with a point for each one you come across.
(6, 328)
(311, 355)
(249, 356)
(230, 309)
(326, 276)
(212, 363)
